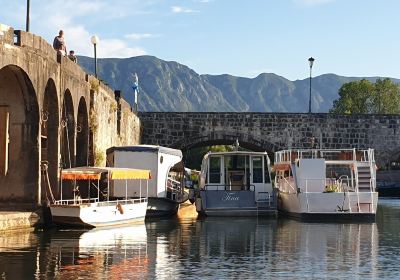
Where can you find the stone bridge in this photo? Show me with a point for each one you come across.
(53, 113)
(275, 131)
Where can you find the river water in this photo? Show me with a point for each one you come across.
(185, 247)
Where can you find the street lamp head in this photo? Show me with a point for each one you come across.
(311, 61)
(95, 40)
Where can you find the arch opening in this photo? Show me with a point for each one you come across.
(68, 132)
(19, 131)
(49, 119)
(193, 152)
(82, 134)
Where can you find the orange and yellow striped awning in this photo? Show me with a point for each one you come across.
(94, 173)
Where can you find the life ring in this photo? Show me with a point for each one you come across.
(120, 209)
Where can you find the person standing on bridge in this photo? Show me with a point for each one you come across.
(59, 43)
(72, 56)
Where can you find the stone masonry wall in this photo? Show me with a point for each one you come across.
(104, 116)
(275, 131)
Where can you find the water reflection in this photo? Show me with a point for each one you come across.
(210, 248)
(101, 253)
(253, 248)
(317, 250)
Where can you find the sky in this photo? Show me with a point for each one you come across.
(238, 37)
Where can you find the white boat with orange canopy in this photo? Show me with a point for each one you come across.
(100, 208)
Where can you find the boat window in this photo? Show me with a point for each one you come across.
(215, 170)
(257, 169)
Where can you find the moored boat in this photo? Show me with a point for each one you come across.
(236, 183)
(322, 183)
(166, 188)
(101, 207)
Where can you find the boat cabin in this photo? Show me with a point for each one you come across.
(165, 165)
(236, 171)
(235, 183)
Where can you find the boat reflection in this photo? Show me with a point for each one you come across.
(111, 253)
(317, 250)
(209, 248)
(281, 248)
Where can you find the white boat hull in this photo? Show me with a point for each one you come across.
(98, 213)
(328, 204)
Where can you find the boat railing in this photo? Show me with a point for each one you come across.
(342, 184)
(80, 201)
(122, 201)
(174, 187)
(345, 184)
(284, 186)
(266, 198)
(347, 155)
(76, 201)
(368, 156)
(220, 187)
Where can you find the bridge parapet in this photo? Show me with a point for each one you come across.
(6, 34)
(275, 131)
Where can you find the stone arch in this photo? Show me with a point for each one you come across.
(225, 138)
(19, 130)
(68, 132)
(82, 134)
(50, 121)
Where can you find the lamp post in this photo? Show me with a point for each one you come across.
(28, 4)
(311, 61)
(95, 40)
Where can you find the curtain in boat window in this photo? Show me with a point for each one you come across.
(214, 176)
(257, 169)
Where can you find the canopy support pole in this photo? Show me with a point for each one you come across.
(126, 189)
(108, 186)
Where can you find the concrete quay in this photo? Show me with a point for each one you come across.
(19, 220)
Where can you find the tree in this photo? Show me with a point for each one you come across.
(364, 97)
(387, 97)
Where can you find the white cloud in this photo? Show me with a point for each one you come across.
(77, 35)
(312, 2)
(118, 49)
(181, 10)
(139, 36)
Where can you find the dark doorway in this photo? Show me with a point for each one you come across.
(19, 176)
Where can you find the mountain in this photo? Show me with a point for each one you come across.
(170, 86)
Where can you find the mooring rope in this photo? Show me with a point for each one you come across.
(45, 176)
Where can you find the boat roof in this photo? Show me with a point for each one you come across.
(146, 148)
(94, 173)
(324, 150)
(236, 153)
